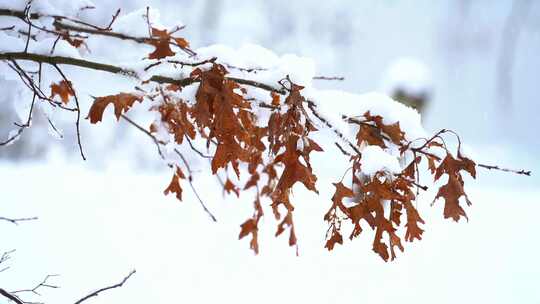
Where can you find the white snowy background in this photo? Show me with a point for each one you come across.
(101, 218)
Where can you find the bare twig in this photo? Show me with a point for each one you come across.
(312, 106)
(5, 257)
(489, 167)
(159, 143)
(340, 78)
(140, 128)
(93, 26)
(190, 181)
(193, 64)
(43, 283)
(12, 137)
(248, 70)
(195, 149)
(53, 127)
(97, 292)
(342, 150)
(26, 13)
(17, 220)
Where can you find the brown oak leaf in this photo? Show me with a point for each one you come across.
(122, 103)
(174, 185)
(62, 89)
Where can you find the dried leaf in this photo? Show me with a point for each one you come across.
(122, 103)
(174, 185)
(62, 89)
(230, 187)
(183, 43)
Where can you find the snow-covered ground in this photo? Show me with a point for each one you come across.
(95, 226)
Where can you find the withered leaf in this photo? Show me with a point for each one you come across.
(122, 103)
(451, 192)
(161, 41)
(370, 135)
(413, 218)
(336, 238)
(62, 89)
(183, 43)
(250, 227)
(174, 185)
(230, 187)
(162, 50)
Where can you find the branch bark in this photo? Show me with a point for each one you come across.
(92, 65)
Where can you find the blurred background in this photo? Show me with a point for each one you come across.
(470, 66)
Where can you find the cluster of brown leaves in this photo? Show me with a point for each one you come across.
(225, 118)
(380, 200)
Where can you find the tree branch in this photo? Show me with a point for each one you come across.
(52, 60)
(55, 60)
(10, 296)
(86, 28)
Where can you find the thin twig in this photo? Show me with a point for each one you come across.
(490, 167)
(154, 139)
(313, 108)
(195, 149)
(190, 181)
(96, 293)
(17, 220)
(248, 70)
(5, 257)
(38, 286)
(53, 127)
(190, 172)
(343, 150)
(26, 12)
(340, 78)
